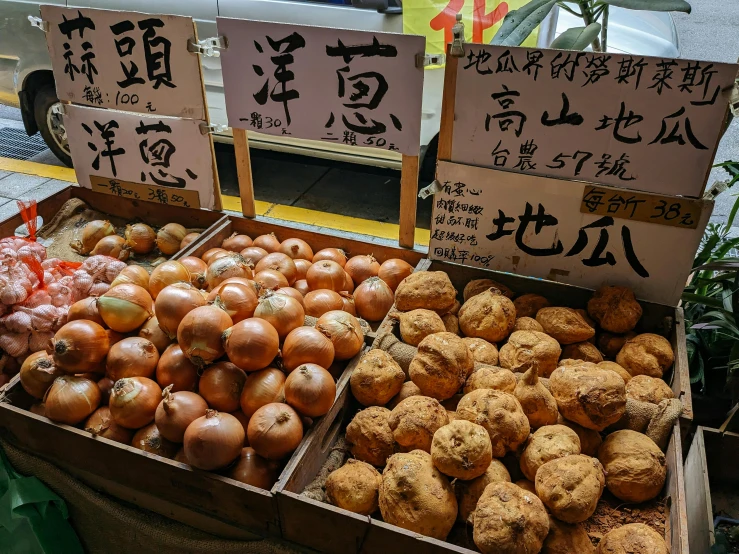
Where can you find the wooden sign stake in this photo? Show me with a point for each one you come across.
(408, 193)
(243, 172)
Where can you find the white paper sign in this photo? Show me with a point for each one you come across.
(345, 87)
(643, 123)
(125, 60)
(533, 226)
(164, 151)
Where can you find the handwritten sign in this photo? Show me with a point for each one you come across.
(345, 87)
(634, 206)
(149, 193)
(644, 123)
(124, 60)
(154, 151)
(533, 226)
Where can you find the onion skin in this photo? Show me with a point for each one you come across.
(176, 411)
(209, 255)
(349, 305)
(114, 337)
(221, 385)
(306, 345)
(140, 238)
(152, 332)
(362, 267)
(334, 254)
(326, 275)
(231, 265)
(213, 441)
(279, 262)
(283, 312)
(38, 408)
(293, 293)
(199, 334)
(254, 470)
(80, 346)
(271, 279)
(134, 275)
(87, 308)
(269, 242)
(37, 374)
(90, 235)
(301, 285)
(319, 302)
(150, 440)
(167, 273)
(238, 414)
(237, 300)
(302, 266)
(132, 357)
(105, 385)
(113, 246)
(252, 344)
(173, 303)
(125, 308)
(170, 237)
(133, 401)
(174, 368)
(275, 431)
(261, 388)
(236, 243)
(197, 269)
(311, 390)
(187, 239)
(71, 399)
(344, 331)
(297, 249)
(348, 283)
(101, 424)
(253, 254)
(393, 271)
(373, 299)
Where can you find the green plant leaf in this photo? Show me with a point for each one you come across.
(577, 38)
(705, 300)
(518, 24)
(652, 5)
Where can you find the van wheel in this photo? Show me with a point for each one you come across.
(48, 116)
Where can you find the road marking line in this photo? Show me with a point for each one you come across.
(233, 203)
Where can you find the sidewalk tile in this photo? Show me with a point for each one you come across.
(16, 184)
(4, 174)
(44, 190)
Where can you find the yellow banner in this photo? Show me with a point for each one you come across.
(435, 19)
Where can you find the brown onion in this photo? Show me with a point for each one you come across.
(334, 254)
(241, 280)
(87, 308)
(38, 372)
(237, 300)
(132, 357)
(301, 285)
(232, 265)
(262, 388)
(292, 293)
(150, 440)
(318, 302)
(268, 242)
(197, 269)
(393, 271)
(80, 346)
(101, 424)
(174, 368)
(221, 384)
(133, 401)
(236, 243)
(344, 331)
(176, 411)
(199, 334)
(71, 399)
(38, 408)
(306, 345)
(252, 344)
(173, 303)
(187, 239)
(167, 273)
(271, 279)
(114, 337)
(105, 385)
(170, 237)
(180, 456)
(282, 311)
(213, 254)
(254, 470)
(325, 275)
(362, 267)
(133, 275)
(297, 249)
(140, 238)
(348, 283)
(275, 431)
(348, 300)
(91, 234)
(302, 266)
(238, 414)
(152, 332)
(214, 440)
(310, 389)
(125, 308)
(113, 246)
(373, 299)
(279, 262)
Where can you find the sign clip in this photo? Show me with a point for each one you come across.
(734, 98)
(209, 47)
(39, 23)
(430, 190)
(457, 49)
(424, 60)
(715, 189)
(209, 129)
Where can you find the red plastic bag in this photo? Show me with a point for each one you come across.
(30, 218)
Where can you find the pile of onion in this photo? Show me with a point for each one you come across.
(125, 308)
(220, 385)
(173, 303)
(132, 357)
(334, 254)
(253, 254)
(213, 254)
(152, 332)
(254, 470)
(80, 346)
(326, 275)
(197, 269)
(199, 334)
(71, 399)
(165, 274)
(271, 279)
(230, 265)
(37, 374)
(150, 440)
(133, 401)
(362, 267)
(344, 331)
(101, 424)
(306, 345)
(269, 242)
(236, 243)
(177, 411)
(90, 235)
(297, 249)
(87, 308)
(275, 431)
(311, 390)
(252, 344)
(169, 238)
(140, 238)
(132, 275)
(113, 246)
(188, 238)
(281, 263)
(176, 369)
(238, 300)
(283, 312)
(393, 271)
(262, 388)
(213, 441)
(373, 299)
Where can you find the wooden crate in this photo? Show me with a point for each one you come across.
(201, 499)
(710, 479)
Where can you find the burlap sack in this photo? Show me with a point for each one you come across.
(105, 525)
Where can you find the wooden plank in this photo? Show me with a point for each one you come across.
(243, 170)
(408, 194)
(446, 131)
(676, 525)
(698, 500)
(681, 373)
(390, 539)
